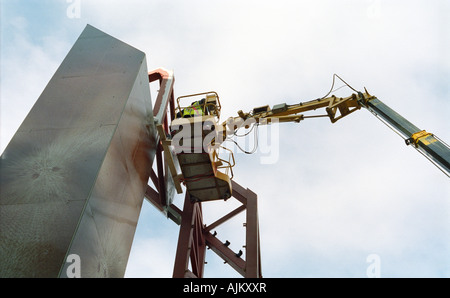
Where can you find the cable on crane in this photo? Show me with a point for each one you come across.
(332, 86)
(246, 134)
(255, 138)
(329, 92)
(257, 124)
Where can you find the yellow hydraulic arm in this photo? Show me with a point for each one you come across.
(335, 107)
(437, 151)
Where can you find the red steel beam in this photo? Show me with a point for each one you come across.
(164, 100)
(198, 246)
(191, 243)
(165, 94)
(253, 254)
(225, 218)
(225, 253)
(184, 239)
(154, 178)
(194, 237)
(153, 196)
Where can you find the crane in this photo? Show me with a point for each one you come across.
(197, 135)
(194, 154)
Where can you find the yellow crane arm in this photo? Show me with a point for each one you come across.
(428, 144)
(335, 107)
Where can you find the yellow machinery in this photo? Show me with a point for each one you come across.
(193, 135)
(197, 135)
(193, 143)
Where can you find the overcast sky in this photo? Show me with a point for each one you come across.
(335, 194)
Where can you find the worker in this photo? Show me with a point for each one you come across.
(195, 109)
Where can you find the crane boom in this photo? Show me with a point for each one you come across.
(437, 151)
(336, 108)
(201, 166)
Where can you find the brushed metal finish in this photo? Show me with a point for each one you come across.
(73, 177)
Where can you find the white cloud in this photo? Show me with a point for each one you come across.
(26, 70)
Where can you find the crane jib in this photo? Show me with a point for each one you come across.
(428, 144)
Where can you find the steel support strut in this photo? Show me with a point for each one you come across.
(191, 244)
(164, 104)
(194, 237)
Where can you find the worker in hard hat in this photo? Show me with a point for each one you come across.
(195, 109)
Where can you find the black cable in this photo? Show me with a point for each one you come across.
(246, 134)
(331, 90)
(332, 85)
(255, 140)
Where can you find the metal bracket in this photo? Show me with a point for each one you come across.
(416, 137)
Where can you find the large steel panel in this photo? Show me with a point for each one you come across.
(74, 175)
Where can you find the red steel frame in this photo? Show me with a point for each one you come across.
(194, 236)
(164, 101)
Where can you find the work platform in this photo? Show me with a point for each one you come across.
(207, 176)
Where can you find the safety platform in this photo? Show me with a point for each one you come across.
(193, 135)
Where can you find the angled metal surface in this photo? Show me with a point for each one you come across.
(72, 179)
